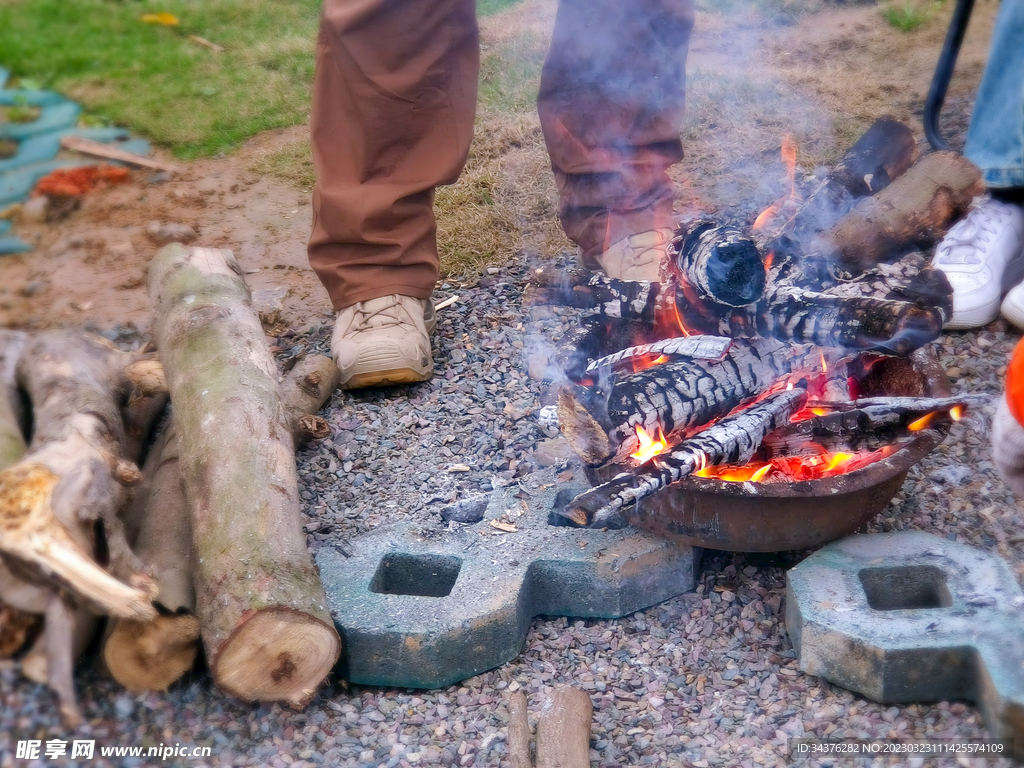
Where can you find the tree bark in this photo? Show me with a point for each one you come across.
(518, 732)
(261, 607)
(563, 730)
(917, 207)
(72, 477)
(153, 655)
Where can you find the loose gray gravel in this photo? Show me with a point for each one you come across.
(707, 678)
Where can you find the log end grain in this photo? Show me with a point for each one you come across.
(277, 655)
(150, 656)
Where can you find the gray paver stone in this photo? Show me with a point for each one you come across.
(909, 616)
(425, 608)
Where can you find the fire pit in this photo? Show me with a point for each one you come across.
(773, 517)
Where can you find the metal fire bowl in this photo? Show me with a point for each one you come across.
(774, 517)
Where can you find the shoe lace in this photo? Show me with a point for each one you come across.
(963, 243)
(381, 317)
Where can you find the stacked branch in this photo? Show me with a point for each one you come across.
(73, 479)
(259, 601)
(153, 655)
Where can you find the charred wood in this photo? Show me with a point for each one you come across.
(678, 397)
(732, 440)
(719, 262)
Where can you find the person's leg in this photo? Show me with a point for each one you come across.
(610, 105)
(394, 98)
(983, 255)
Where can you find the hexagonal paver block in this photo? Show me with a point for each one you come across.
(424, 608)
(902, 617)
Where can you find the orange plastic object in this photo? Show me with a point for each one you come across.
(1015, 383)
(72, 182)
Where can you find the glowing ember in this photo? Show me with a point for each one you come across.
(956, 413)
(815, 465)
(769, 259)
(647, 361)
(921, 423)
(648, 448)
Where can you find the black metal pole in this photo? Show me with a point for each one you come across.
(944, 73)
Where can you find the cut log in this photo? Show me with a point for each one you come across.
(145, 656)
(304, 390)
(518, 732)
(261, 607)
(732, 440)
(151, 655)
(719, 262)
(676, 398)
(916, 208)
(563, 729)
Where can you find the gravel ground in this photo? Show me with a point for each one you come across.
(707, 678)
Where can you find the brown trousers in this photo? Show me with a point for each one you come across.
(394, 99)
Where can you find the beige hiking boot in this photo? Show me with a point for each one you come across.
(637, 257)
(384, 341)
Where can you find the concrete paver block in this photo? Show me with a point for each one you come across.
(424, 608)
(902, 617)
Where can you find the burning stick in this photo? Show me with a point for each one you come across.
(693, 347)
(679, 397)
(733, 440)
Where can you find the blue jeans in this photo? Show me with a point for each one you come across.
(995, 140)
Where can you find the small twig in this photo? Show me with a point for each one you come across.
(206, 43)
(447, 302)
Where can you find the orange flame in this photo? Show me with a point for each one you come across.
(769, 259)
(956, 413)
(921, 423)
(838, 459)
(766, 216)
(647, 361)
(648, 448)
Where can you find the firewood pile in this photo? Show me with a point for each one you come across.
(205, 543)
(745, 361)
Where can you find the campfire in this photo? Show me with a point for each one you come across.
(765, 359)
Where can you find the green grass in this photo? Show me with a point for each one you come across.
(908, 16)
(156, 81)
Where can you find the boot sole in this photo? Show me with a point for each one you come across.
(386, 378)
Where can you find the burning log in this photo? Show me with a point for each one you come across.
(868, 422)
(885, 151)
(678, 397)
(153, 655)
(261, 606)
(719, 262)
(732, 440)
(917, 207)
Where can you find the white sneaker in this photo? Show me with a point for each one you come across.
(384, 341)
(983, 256)
(1012, 307)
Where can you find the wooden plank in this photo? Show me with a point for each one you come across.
(99, 149)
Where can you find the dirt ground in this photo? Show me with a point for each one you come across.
(844, 66)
